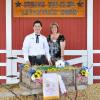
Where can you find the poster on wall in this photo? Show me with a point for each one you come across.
(49, 8)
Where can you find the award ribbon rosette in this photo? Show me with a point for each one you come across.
(50, 86)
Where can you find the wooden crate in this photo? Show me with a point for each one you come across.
(26, 80)
(70, 78)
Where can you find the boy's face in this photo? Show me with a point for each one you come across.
(37, 28)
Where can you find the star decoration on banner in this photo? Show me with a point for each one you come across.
(18, 4)
(80, 4)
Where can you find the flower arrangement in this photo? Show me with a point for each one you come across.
(25, 67)
(84, 71)
(60, 63)
(36, 75)
(31, 71)
(45, 68)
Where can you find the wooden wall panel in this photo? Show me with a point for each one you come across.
(2, 37)
(2, 24)
(3, 58)
(2, 71)
(96, 23)
(2, 81)
(96, 81)
(96, 37)
(96, 71)
(96, 58)
(74, 30)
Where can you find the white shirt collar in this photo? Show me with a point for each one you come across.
(35, 33)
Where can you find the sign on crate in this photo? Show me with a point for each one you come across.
(50, 86)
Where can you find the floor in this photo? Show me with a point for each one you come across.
(92, 92)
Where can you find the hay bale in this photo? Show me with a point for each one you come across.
(92, 92)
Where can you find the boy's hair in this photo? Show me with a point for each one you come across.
(37, 21)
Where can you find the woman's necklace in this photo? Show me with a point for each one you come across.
(54, 37)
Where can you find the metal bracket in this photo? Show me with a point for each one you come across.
(12, 57)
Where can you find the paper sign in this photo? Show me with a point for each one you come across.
(50, 86)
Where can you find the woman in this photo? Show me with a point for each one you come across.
(56, 43)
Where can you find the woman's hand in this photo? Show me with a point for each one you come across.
(62, 57)
(50, 62)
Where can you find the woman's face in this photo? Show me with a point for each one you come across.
(54, 29)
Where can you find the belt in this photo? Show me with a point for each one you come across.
(37, 56)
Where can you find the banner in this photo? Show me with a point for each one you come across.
(49, 8)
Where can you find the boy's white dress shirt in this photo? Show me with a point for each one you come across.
(31, 48)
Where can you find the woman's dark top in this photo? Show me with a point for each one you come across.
(54, 46)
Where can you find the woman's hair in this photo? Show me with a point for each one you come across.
(55, 23)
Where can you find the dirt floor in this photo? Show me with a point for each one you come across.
(92, 92)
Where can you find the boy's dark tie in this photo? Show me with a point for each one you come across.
(37, 38)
